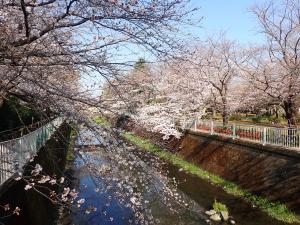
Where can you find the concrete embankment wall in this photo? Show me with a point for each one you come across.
(272, 172)
(269, 171)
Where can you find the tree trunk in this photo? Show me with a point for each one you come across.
(290, 109)
(213, 113)
(276, 112)
(225, 118)
(225, 115)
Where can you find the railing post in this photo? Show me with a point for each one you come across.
(298, 139)
(20, 155)
(233, 131)
(2, 161)
(264, 136)
(195, 125)
(211, 127)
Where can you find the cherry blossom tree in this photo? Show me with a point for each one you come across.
(274, 69)
(185, 88)
(134, 89)
(48, 40)
(48, 47)
(215, 62)
(164, 97)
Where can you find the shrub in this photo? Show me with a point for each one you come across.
(219, 207)
(256, 119)
(102, 121)
(235, 117)
(279, 120)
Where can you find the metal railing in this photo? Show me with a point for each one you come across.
(15, 153)
(22, 130)
(285, 137)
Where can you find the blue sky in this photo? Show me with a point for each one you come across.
(232, 16)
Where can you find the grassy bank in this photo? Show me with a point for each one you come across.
(276, 210)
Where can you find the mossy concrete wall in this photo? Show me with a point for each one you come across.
(269, 171)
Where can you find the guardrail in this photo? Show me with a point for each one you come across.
(285, 137)
(15, 153)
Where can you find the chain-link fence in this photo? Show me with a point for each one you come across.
(15, 153)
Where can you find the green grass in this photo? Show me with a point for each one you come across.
(220, 207)
(276, 210)
(102, 121)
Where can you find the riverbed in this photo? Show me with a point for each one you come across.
(102, 206)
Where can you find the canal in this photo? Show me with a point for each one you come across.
(120, 184)
(130, 186)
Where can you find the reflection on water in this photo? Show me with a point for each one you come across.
(87, 137)
(199, 194)
(108, 208)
